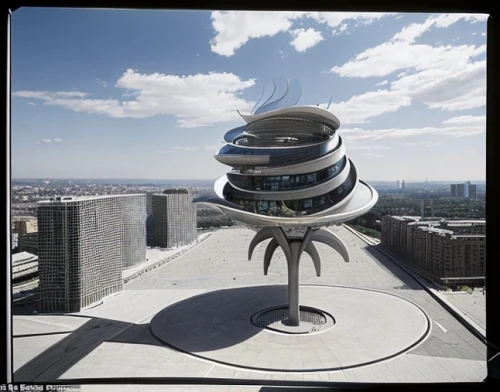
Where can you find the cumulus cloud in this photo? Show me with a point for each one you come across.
(305, 39)
(443, 77)
(47, 141)
(454, 127)
(233, 29)
(359, 108)
(32, 103)
(195, 100)
(383, 83)
(57, 140)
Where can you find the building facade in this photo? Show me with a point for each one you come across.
(29, 243)
(133, 215)
(453, 190)
(24, 224)
(150, 227)
(440, 250)
(83, 245)
(174, 218)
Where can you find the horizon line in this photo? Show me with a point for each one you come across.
(210, 179)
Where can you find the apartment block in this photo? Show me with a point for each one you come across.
(133, 216)
(29, 243)
(174, 218)
(83, 245)
(439, 249)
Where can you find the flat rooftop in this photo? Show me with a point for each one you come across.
(23, 257)
(73, 199)
(213, 284)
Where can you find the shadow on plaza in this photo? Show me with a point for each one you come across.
(379, 255)
(206, 322)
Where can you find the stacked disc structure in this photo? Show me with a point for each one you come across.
(289, 169)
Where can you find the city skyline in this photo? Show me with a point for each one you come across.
(103, 92)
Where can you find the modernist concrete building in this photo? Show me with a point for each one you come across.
(133, 215)
(83, 245)
(174, 218)
(441, 250)
(150, 226)
(290, 176)
(24, 267)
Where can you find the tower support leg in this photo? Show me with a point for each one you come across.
(293, 285)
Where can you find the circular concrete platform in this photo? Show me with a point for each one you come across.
(370, 326)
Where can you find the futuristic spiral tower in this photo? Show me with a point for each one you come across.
(290, 176)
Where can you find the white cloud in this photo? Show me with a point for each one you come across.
(342, 29)
(194, 100)
(467, 121)
(453, 127)
(483, 34)
(423, 144)
(185, 148)
(57, 140)
(32, 103)
(305, 39)
(233, 29)
(101, 82)
(370, 147)
(373, 155)
(49, 95)
(383, 83)
(359, 108)
(47, 141)
(212, 147)
(443, 77)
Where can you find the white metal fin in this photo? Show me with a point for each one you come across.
(327, 237)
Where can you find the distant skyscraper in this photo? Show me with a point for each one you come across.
(397, 185)
(422, 209)
(453, 190)
(466, 190)
(83, 245)
(473, 191)
(174, 217)
(403, 185)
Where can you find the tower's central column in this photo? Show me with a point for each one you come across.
(293, 243)
(293, 284)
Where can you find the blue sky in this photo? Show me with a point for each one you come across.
(149, 94)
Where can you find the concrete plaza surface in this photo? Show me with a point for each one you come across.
(473, 304)
(115, 339)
